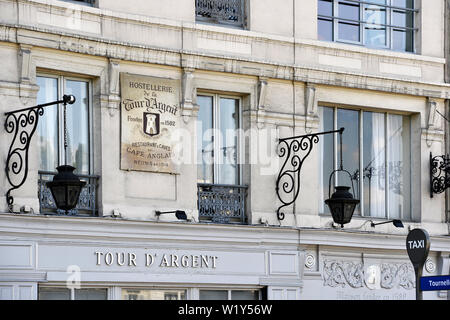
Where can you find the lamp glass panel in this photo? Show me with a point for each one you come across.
(59, 195)
(73, 192)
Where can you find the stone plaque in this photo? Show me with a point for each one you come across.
(150, 113)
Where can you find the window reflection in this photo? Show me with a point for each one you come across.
(384, 171)
(218, 140)
(77, 126)
(51, 124)
(47, 129)
(374, 23)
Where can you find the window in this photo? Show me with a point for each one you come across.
(230, 294)
(153, 294)
(50, 132)
(50, 126)
(221, 197)
(59, 293)
(218, 140)
(224, 12)
(387, 24)
(376, 152)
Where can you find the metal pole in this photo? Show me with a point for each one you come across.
(418, 271)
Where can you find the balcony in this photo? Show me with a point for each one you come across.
(87, 204)
(224, 12)
(220, 203)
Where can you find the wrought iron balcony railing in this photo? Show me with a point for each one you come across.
(228, 12)
(87, 204)
(222, 203)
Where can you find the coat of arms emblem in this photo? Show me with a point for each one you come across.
(151, 123)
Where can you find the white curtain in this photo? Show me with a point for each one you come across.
(374, 167)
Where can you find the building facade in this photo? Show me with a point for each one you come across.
(193, 128)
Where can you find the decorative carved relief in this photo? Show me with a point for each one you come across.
(310, 261)
(25, 63)
(343, 273)
(397, 275)
(114, 91)
(27, 70)
(430, 266)
(337, 273)
(261, 109)
(310, 101)
(188, 105)
(432, 114)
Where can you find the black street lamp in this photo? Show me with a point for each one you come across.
(65, 187)
(341, 203)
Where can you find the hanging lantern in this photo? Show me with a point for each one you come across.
(341, 203)
(65, 188)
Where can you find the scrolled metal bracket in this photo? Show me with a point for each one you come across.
(439, 173)
(288, 181)
(22, 124)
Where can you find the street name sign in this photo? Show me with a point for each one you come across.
(435, 283)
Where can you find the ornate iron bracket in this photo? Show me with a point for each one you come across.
(23, 123)
(439, 173)
(288, 181)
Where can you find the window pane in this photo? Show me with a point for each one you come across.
(229, 123)
(399, 167)
(78, 126)
(326, 149)
(402, 40)
(403, 3)
(54, 294)
(325, 28)
(48, 124)
(245, 295)
(325, 8)
(349, 32)
(90, 294)
(205, 146)
(349, 119)
(153, 294)
(375, 34)
(374, 162)
(213, 294)
(348, 11)
(402, 19)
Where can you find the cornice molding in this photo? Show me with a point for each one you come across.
(61, 40)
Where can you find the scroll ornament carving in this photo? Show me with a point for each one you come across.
(400, 275)
(342, 273)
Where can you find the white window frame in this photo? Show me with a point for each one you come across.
(61, 82)
(216, 143)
